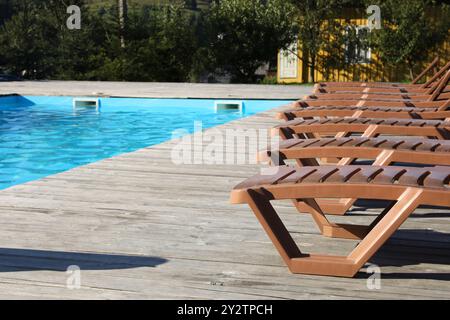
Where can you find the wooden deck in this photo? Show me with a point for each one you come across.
(155, 89)
(140, 227)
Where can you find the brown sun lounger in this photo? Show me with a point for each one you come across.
(370, 103)
(379, 96)
(384, 87)
(366, 127)
(438, 91)
(386, 91)
(383, 152)
(432, 100)
(404, 187)
(442, 113)
(414, 85)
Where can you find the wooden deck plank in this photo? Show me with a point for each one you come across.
(154, 89)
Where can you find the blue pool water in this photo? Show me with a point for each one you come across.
(40, 136)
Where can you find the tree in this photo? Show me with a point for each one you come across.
(78, 51)
(161, 44)
(36, 44)
(320, 31)
(409, 33)
(25, 42)
(244, 34)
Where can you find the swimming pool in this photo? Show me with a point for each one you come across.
(40, 136)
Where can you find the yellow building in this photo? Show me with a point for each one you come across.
(292, 69)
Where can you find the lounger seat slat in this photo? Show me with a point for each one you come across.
(299, 175)
(307, 143)
(388, 122)
(365, 175)
(417, 123)
(320, 175)
(283, 172)
(343, 174)
(368, 127)
(347, 142)
(298, 122)
(428, 146)
(356, 108)
(359, 141)
(392, 122)
(326, 142)
(410, 145)
(321, 121)
(334, 142)
(443, 147)
(388, 143)
(437, 179)
(385, 144)
(413, 178)
(286, 144)
(376, 112)
(389, 176)
(431, 177)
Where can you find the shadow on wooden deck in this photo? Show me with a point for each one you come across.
(414, 247)
(14, 260)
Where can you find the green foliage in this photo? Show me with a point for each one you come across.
(36, 44)
(410, 34)
(32, 42)
(160, 45)
(322, 36)
(269, 80)
(179, 40)
(165, 46)
(244, 34)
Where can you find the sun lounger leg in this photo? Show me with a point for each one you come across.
(343, 266)
(274, 227)
(296, 261)
(387, 225)
(333, 230)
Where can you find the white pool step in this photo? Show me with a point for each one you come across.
(86, 102)
(229, 105)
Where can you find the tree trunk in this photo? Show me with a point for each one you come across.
(410, 69)
(312, 70)
(411, 73)
(305, 64)
(123, 10)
